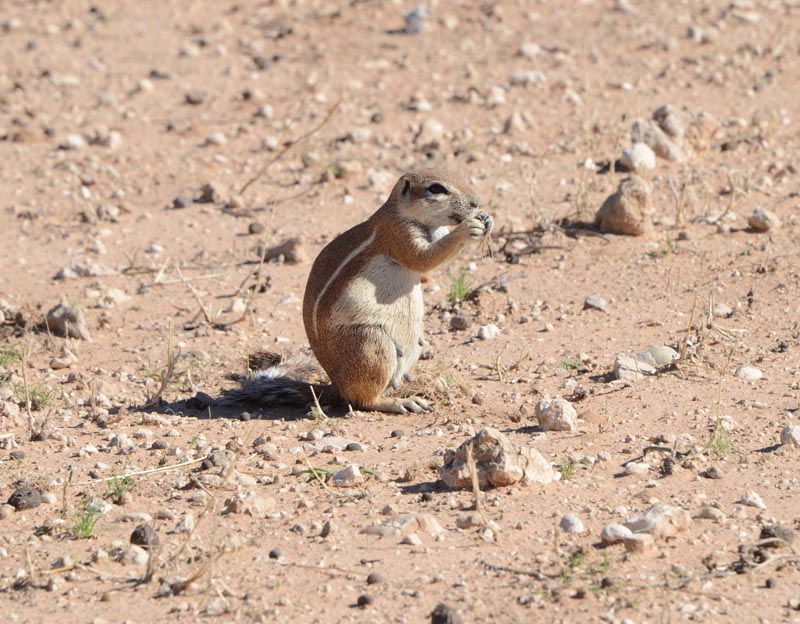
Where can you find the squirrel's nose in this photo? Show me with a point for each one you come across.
(475, 201)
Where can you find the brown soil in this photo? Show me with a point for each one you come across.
(308, 112)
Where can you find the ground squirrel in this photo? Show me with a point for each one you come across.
(363, 304)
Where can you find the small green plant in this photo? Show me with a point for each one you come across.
(38, 395)
(572, 562)
(719, 442)
(567, 469)
(86, 520)
(314, 474)
(569, 364)
(459, 287)
(7, 357)
(116, 488)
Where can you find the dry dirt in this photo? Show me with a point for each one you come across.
(113, 116)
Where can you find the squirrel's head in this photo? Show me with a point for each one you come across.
(434, 197)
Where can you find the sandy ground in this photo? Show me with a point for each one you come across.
(301, 116)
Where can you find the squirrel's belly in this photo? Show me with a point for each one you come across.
(385, 294)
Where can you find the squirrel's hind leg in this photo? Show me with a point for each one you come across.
(368, 368)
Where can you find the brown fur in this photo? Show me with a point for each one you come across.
(363, 302)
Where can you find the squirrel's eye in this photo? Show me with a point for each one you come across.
(438, 189)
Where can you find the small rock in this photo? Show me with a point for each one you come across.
(443, 614)
(25, 498)
(65, 360)
(145, 536)
(68, 322)
(292, 250)
(748, 372)
(722, 310)
(347, 477)
(556, 415)
(487, 332)
(640, 543)
(364, 600)
(778, 533)
(644, 131)
(416, 18)
(196, 96)
(431, 131)
(181, 201)
(627, 211)
(637, 468)
(713, 472)
(628, 368)
(614, 533)
(374, 578)
(594, 302)
(763, 220)
(216, 138)
(412, 539)
(751, 498)
(571, 524)
(638, 157)
(791, 435)
(211, 193)
(660, 521)
(657, 356)
(248, 502)
(711, 513)
(459, 322)
(498, 462)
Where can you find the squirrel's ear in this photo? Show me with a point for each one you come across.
(405, 192)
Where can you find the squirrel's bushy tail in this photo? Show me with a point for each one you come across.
(279, 380)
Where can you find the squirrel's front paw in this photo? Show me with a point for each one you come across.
(480, 225)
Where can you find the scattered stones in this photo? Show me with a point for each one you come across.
(594, 302)
(660, 521)
(498, 462)
(763, 220)
(638, 157)
(25, 498)
(348, 476)
(67, 321)
(571, 524)
(790, 435)
(488, 332)
(556, 415)
(745, 371)
(751, 498)
(627, 211)
(145, 536)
